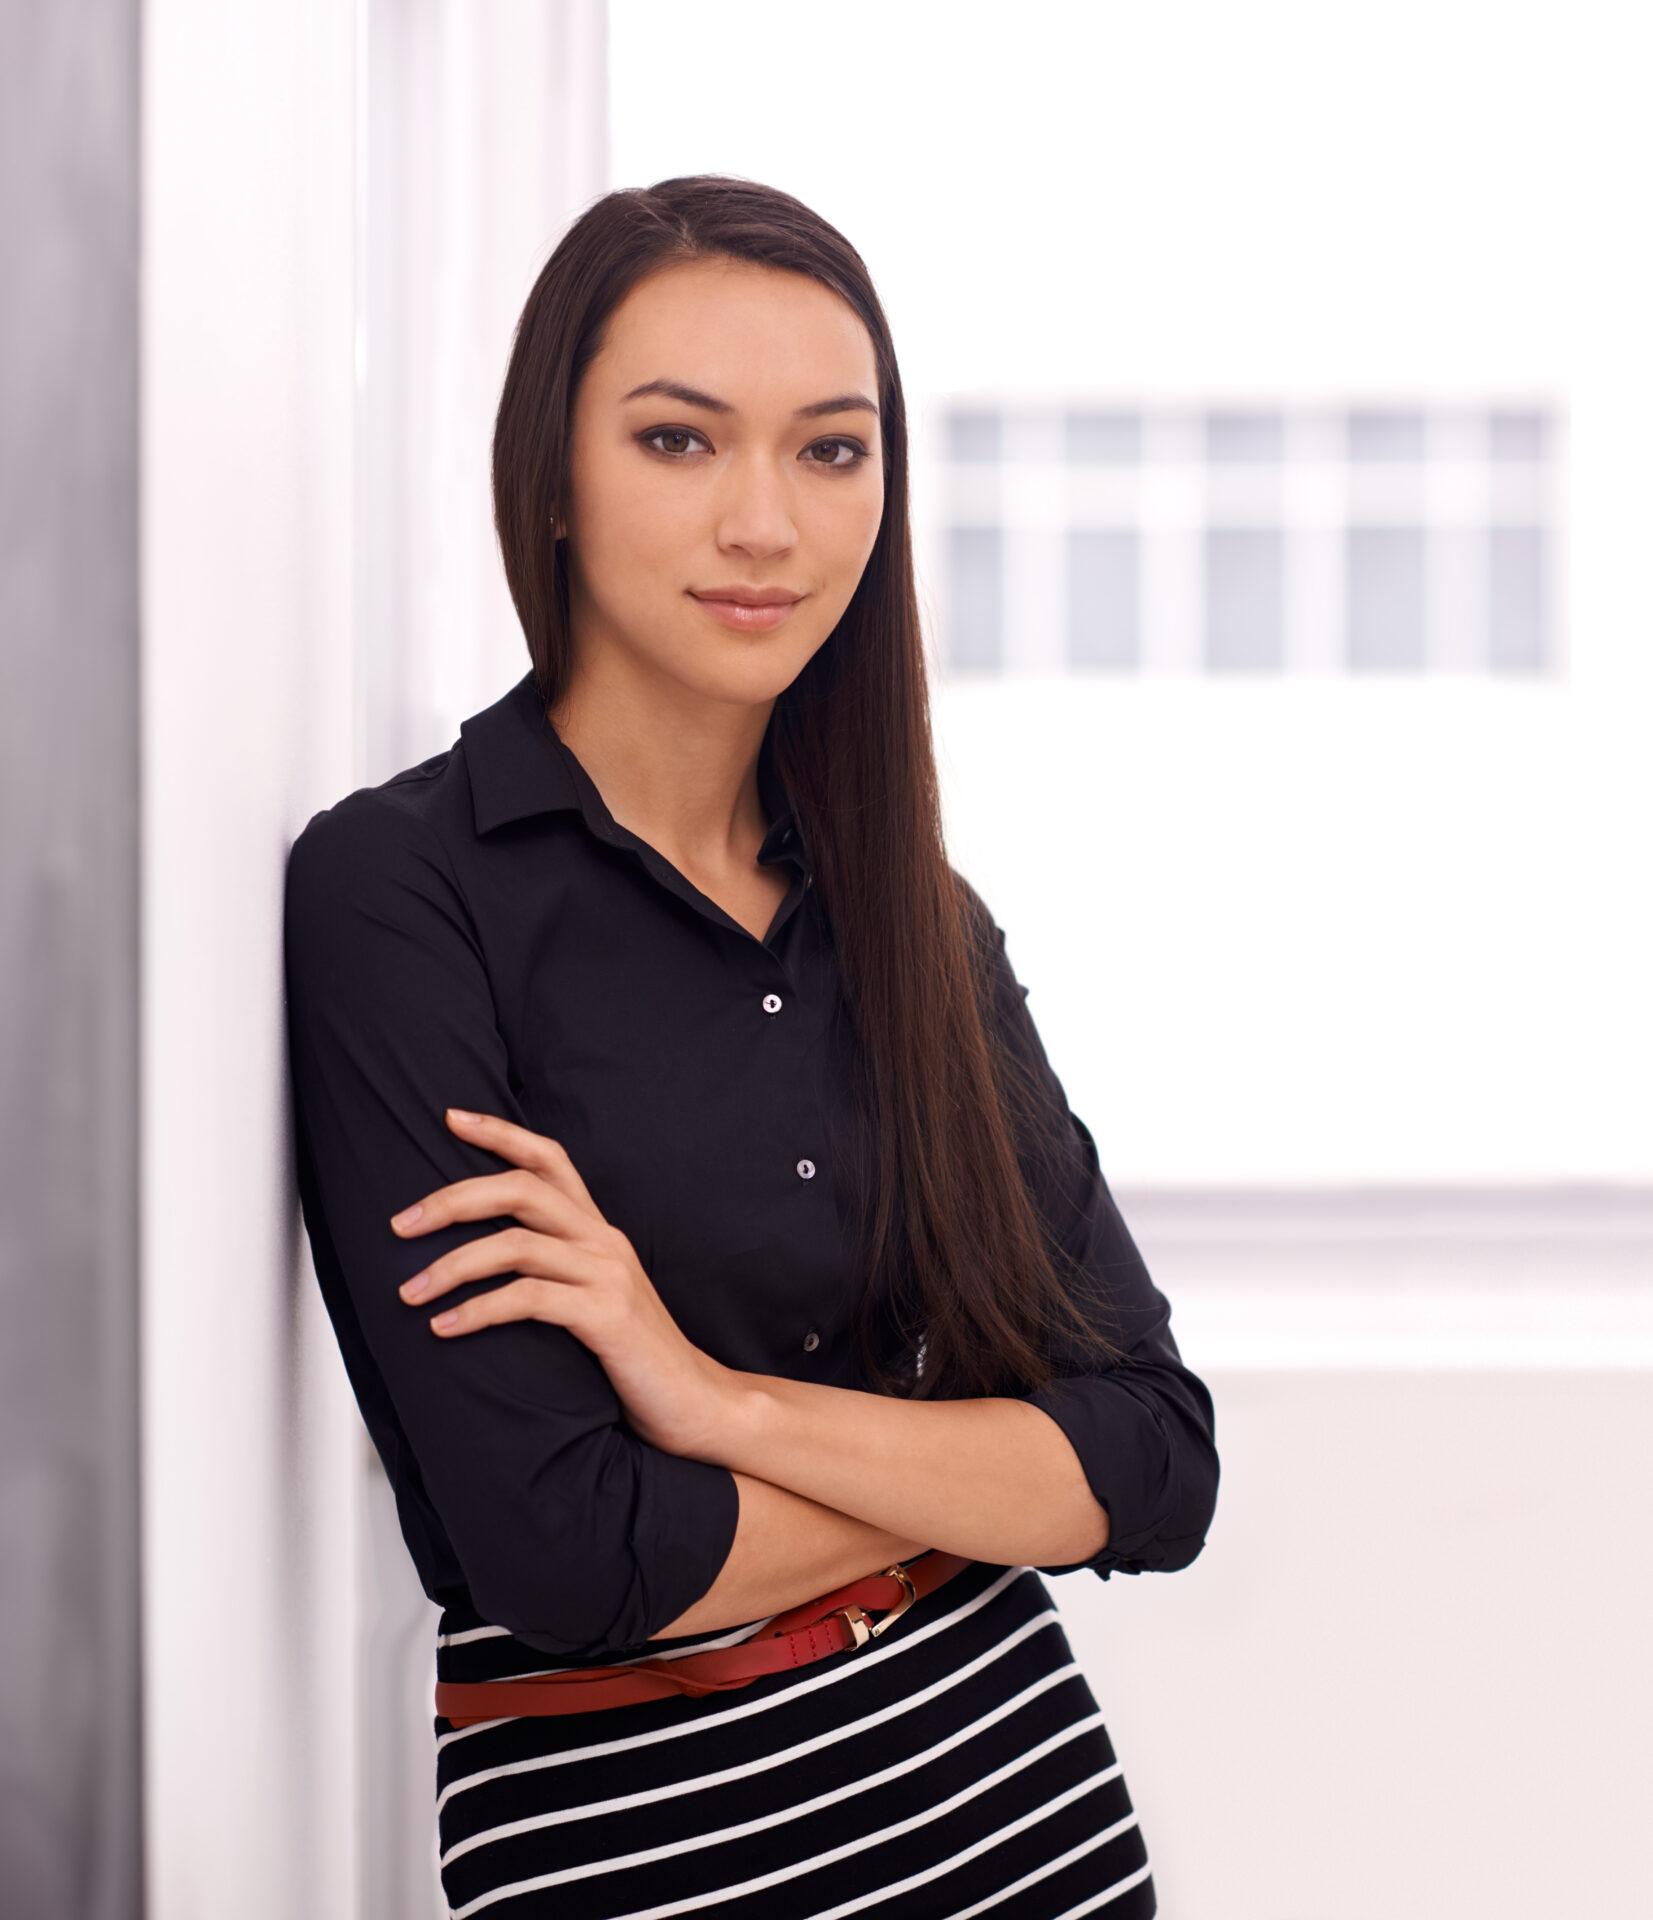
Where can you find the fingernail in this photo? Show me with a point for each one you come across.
(417, 1287)
(407, 1216)
(458, 1113)
(444, 1321)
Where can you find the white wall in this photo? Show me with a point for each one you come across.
(1324, 930)
(484, 128)
(343, 207)
(1410, 1673)
(250, 1472)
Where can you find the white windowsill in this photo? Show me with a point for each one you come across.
(1376, 1279)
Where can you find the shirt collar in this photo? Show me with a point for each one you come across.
(519, 767)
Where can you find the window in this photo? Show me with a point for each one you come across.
(1244, 599)
(1104, 597)
(1377, 436)
(972, 435)
(1242, 439)
(1103, 439)
(1384, 597)
(1517, 591)
(976, 599)
(1371, 539)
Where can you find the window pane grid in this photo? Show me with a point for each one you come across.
(1363, 538)
(1104, 580)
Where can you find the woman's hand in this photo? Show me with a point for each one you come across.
(575, 1271)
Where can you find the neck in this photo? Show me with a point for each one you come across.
(676, 768)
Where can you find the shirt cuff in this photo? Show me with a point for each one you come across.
(1126, 1456)
(687, 1512)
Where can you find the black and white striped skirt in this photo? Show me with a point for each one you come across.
(957, 1765)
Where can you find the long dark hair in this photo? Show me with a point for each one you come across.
(975, 1279)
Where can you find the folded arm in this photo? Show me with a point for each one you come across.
(855, 1480)
(596, 1489)
(517, 1478)
(787, 1549)
(1110, 1464)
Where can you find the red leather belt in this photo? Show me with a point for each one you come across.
(832, 1624)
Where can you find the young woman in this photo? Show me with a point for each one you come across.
(704, 1228)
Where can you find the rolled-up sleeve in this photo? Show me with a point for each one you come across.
(568, 1530)
(1143, 1428)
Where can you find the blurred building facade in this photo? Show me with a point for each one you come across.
(1102, 536)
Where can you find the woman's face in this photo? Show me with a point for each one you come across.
(727, 479)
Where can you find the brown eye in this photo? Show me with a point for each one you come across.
(673, 441)
(835, 453)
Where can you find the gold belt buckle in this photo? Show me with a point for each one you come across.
(862, 1626)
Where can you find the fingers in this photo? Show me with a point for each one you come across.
(547, 1158)
(555, 1212)
(523, 1299)
(537, 1256)
(519, 1194)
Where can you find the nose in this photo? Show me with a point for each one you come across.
(755, 510)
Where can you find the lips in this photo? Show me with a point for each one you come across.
(747, 609)
(749, 596)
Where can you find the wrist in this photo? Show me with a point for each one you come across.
(742, 1418)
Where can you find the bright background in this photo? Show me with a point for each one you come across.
(1348, 974)
(1312, 931)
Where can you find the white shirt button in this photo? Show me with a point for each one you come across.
(806, 1169)
(771, 1003)
(811, 1341)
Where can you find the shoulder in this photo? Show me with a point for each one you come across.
(412, 812)
(986, 938)
(379, 842)
(979, 923)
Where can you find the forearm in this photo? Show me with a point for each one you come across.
(992, 1479)
(787, 1549)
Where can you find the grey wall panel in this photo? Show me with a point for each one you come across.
(69, 1774)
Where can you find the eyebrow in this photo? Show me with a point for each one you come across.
(693, 397)
(839, 403)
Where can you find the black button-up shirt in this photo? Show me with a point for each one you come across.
(479, 932)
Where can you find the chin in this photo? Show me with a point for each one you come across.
(750, 685)
(750, 674)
